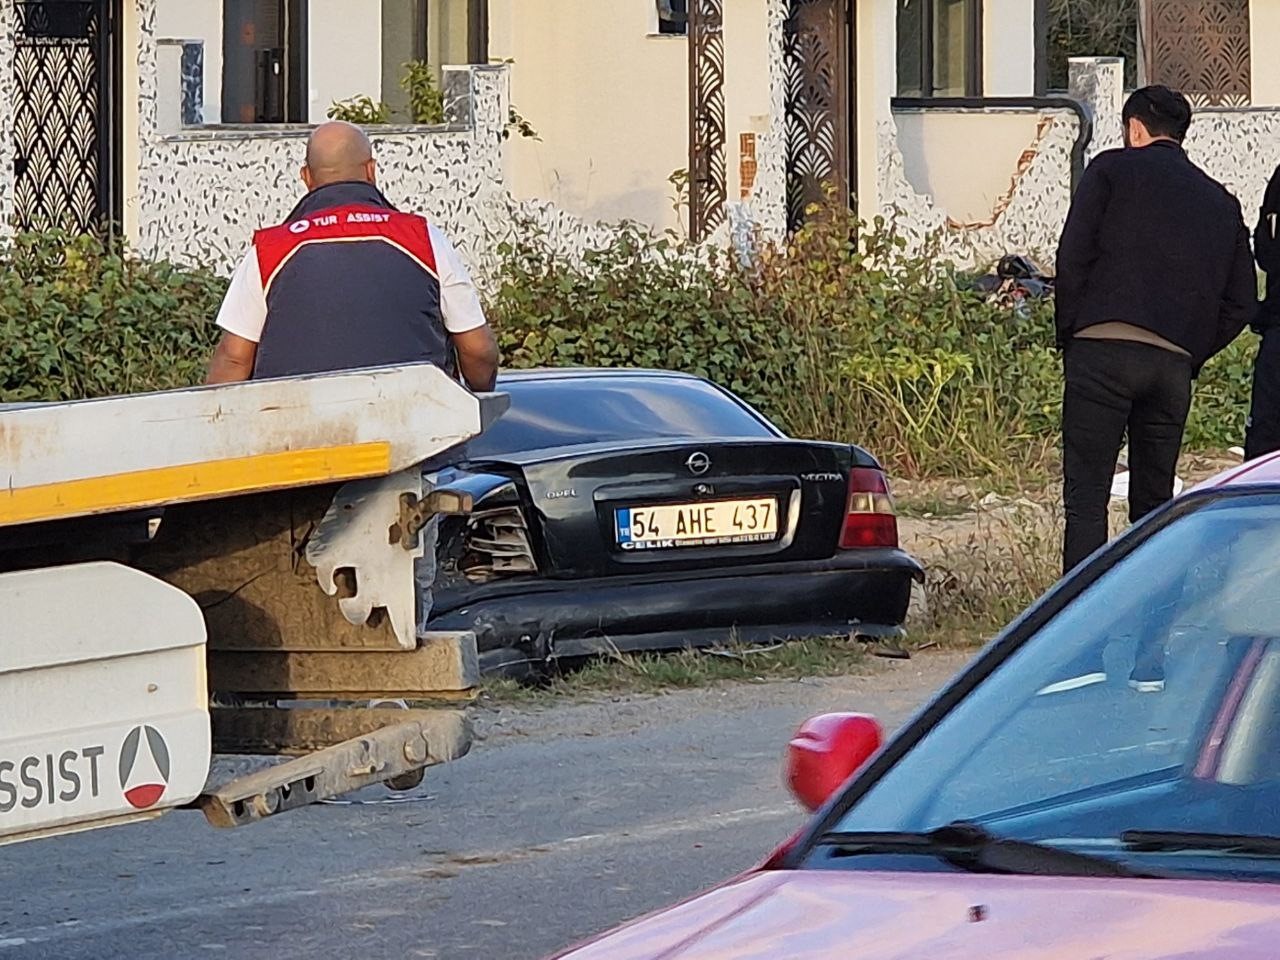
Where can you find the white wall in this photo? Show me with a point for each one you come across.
(344, 52)
(1264, 21)
(964, 161)
(609, 100)
(746, 93)
(169, 92)
(877, 84)
(1009, 48)
(197, 20)
(344, 47)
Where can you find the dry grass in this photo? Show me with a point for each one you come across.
(989, 556)
(984, 568)
(647, 673)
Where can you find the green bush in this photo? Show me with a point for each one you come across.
(1222, 397)
(425, 101)
(833, 340)
(361, 110)
(78, 320)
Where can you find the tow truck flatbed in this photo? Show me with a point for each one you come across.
(129, 526)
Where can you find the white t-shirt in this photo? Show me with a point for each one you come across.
(244, 309)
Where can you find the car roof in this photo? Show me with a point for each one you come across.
(1263, 470)
(582, 373)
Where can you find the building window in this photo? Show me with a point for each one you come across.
(404, 39)
(939, 48)
(673, 17)
(442, 33)
(264, 61)
(1094, 28)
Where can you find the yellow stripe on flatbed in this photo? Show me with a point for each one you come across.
(193, 481)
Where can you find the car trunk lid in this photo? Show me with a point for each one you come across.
(619, 509)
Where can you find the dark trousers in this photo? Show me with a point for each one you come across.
(1262, 435)
(1113, 386)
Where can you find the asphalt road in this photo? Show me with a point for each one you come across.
(562, 823)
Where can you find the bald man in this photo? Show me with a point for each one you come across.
(348, 281)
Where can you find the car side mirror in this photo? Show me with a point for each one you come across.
(826, 751)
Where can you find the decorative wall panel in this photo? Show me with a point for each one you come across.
(708, 165)
(818, 105)
(1201, 47)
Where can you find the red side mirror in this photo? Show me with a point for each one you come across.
(826, 751)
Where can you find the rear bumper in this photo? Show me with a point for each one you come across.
(866, 592)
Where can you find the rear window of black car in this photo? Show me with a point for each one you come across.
(592, 409)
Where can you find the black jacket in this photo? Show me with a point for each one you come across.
(1153, 241)
(1266, 248)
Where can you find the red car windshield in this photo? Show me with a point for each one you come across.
(1142, 722)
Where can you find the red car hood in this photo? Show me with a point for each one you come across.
(821, 915)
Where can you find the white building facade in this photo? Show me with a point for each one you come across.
(182, 122)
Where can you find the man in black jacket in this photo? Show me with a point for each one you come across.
(1155, 276)
(1263, 433)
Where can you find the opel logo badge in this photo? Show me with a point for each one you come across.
(698, 463)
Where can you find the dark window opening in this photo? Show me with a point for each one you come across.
(1090, 28)
(404, 40)
(264, 62)
(673, 17)
(440, 33)
(939, 48)
(478, 31)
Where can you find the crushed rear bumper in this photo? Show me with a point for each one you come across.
(521, 626)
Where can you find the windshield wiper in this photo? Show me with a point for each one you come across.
(1168, 841)
(974, 848)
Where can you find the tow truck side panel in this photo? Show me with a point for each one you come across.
(103, 702)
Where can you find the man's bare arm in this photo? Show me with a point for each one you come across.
(232, 360)
(477, 358)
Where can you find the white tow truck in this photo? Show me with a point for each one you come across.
(224, 570)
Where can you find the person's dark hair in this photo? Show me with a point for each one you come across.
(1164, 112)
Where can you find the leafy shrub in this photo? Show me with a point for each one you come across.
(1221, 401)
(635, 302)
(426, 101)
(516, 122)
(832, 339)
(79, 320)
(835, 340)
(361, 110)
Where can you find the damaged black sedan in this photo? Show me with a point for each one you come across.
(620, 510)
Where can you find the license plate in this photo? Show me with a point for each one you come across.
(697, 524)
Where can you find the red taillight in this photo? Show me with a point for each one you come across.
(869, 519)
